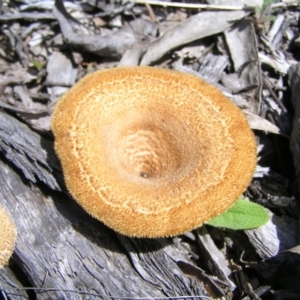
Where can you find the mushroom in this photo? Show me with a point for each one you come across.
(152, 152)
(7, 237)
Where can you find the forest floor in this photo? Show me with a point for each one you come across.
(248, 49)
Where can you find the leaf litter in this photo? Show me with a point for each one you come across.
(248, 49)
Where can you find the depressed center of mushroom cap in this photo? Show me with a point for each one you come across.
(148, 149)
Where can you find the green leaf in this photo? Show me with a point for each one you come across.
(38, 64)
(243, 215)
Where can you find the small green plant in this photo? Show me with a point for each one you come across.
(242, 216)
(38, 64)
(263, 13)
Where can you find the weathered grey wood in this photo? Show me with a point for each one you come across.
(216, 259)
(61, 248)
(242, 36)
(10, 287)
(194, 28)
(112, 45)
(61, 74)
(212, 67)
(279, 234)
(29, 152)
(153, 265)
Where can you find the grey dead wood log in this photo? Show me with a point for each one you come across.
(10, 285)
(60, 249)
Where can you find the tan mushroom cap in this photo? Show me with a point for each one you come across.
(152, 152)
(8, 234)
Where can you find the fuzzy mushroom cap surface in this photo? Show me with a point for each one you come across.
(8, 234)
(152, 152)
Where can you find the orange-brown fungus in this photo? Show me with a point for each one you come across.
(152, 152)
(8, 233)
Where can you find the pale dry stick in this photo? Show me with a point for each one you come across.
(209, 6)
(191, 5)
(282, 4)
(151, 12)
